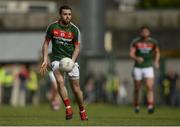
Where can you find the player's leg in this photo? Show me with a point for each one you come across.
(149, 80)
(137, 76)
(150, 94)
(75, 85)
(62, 89)
(137, 85)
(79, 98)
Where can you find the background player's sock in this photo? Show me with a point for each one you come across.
(136, 107)
(150, 107)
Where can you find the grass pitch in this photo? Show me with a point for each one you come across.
(98, 114)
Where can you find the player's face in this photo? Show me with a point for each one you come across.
(145, 33)
(66, 16)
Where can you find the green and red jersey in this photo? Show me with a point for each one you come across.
(144, 50)
(63, 38)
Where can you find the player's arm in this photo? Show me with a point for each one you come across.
(157, 57)
(44, 64)
(76, 52)
(132, 54)
(77, 45)
(45, 49)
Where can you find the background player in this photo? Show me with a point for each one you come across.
(65, 38)
(145, 52)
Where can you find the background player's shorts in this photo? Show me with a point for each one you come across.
(140, 73)
(74, 74)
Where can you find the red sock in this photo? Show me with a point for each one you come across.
(81, 108)
(136, 104)
(66, 102)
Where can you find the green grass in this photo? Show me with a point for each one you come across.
(98, 114)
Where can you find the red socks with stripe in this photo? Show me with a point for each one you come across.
(67, 103)
(81, 108)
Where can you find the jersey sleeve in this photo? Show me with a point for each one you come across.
(132, 45)
(49, 34)
(77, 37)
(133, 42)
(155, 42)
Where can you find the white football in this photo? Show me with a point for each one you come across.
(66, 64)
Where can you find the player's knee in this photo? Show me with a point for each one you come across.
(150, 88)
(136, 90)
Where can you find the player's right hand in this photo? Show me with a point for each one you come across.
(156, 64)
(139, 59)
(43, 68)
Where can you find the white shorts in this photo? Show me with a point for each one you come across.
(74, 74)
(52, 77)
(140, 73)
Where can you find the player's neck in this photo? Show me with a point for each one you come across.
(144, 39)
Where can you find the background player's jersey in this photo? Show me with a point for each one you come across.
(144, 50)
(63, 40)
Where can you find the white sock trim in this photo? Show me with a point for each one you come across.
(82, 111)
(68, 107)
(150, 106)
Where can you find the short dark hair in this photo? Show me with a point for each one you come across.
(144, 27)
(64, 7)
